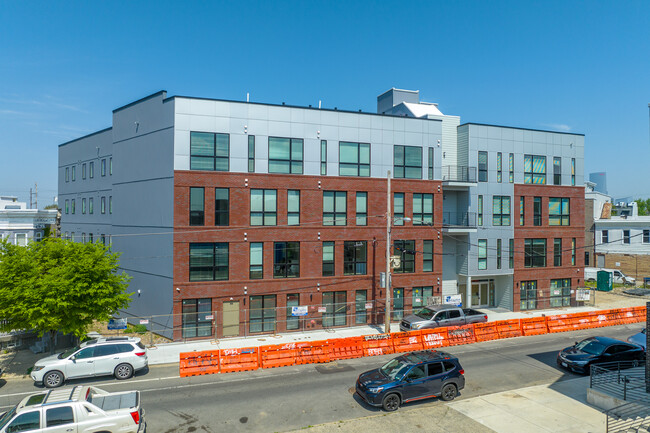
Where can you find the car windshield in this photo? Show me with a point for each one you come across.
(590, 346)
(395, 369)
(425, 314)
(68, 352)
(4, 420)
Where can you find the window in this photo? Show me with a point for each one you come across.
(21, 239)
(482, 166)
(480, 210)
(102, 205)
(626, 236)
(209, 151)
(91, 169)
(362, 209)
(499, 167)
(83, 170)
(354, 159)
(197, 208)
(511, 253)
(573, 172)
(102, 239)
(427, 256)
(110, 204)
(262, 313)
(482, 254)
(573, 251)
(557, 252)
(323, 157)
(498, 253)
(422, 209)
(83, 205)
(605, 234)
(511, 168)
(328, 259)
(72, 206)
(406, 251)
(251, 154)
(355, 257)
(420, 296)
(90, 238)
(286, 259)
(537, 211)
(90, 205)
(360, 316)
(293, 207)
(535, 169)
(398, 209)
(407, 162)
(27, 421)
(561, 292)
(197, 321)
(264, 207)
(500, 210)
(557, 171)
(335, 208)
(86, 353)
(74, 169)
(646, 235)
(558, 211)
(103, 167)
(430, 163)
(285, 155)
(586, 258)
(256, 266)
(522, 211)
(83, 238)
(293, 322)
(209, 261)
(110, 166)
(222, 206)
(528, 295)
(535, 253)
(67, 206)
(67, 174)
(398, 303)
(335, 309)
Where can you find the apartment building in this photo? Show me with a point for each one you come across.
(228, 214)
(20, 225)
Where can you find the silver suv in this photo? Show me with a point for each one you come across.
(118, 356)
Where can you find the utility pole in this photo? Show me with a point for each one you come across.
(388, 254)
(30, 198)
(36, 195)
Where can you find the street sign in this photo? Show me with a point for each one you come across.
(395, 261)
(117, 324)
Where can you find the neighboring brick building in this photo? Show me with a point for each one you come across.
(227, 213)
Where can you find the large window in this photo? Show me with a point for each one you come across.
(197, 317)
(362, 208)
(256, 269)
(406, 251)
(335, 208)
(499, 167)
(264, 207)
(398, 303)
(480, 210)
(482, 166)
(558, 211)
(262, 313)
(222, 207)
(208, 151)
(511, 168)
(293, 322)
(557, 252)
(293, 207)
(286, 259)
(420, 296)
(535, 253)
(354, 159)
(427, 256)
(251, 153)
(323, 157)
(537, 211)
(500, 210)
(561, 292)
(335, 309)
(535, 169)
(355, 257)
(398, 209)
(482, 254)
(557, 171)
(528, 295)
(285, 155)
(360, 316)
(328, 259)
(197, 208)
(422, 209)
(407, 162)
(209, 261)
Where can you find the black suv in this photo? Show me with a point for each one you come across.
(412, 376)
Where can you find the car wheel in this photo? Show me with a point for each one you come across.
(123, 371)
(391, 402)
(53, 379)
(449, 392)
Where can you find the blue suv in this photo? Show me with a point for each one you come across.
(412, 376)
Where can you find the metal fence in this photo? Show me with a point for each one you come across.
(459, 219)
(624, 380)
(459, 173)
(630, 417)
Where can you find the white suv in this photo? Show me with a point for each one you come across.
(118, 356)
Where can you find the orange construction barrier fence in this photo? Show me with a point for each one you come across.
(461, 335)
(407, 341)
(378, 344)
(534, 326)
(232, 360)
(509, 328)
(277, 355)
(434, 338)
(312, 352)
(346, 348)
(198, 363)
(486, 331)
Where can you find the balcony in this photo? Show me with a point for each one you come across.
(458, 175)
(459, 222)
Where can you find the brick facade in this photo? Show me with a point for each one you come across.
(636, 266)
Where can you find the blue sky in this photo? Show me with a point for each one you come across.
(579, 66)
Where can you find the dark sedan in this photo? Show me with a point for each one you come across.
(596, 350)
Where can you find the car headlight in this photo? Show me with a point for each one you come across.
(375, 389)
(581, 362)
(38, 367)
(416, 325)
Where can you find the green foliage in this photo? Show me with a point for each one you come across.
(643, 206)
(59, 285)
(140, 329)
(51, 206)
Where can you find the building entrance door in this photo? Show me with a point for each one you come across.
(483, 293)
(231, 319)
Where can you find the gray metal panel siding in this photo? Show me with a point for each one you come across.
(462, 154)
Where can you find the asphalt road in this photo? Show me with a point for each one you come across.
(290, 398)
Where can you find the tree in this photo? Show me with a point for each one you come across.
(643, 206)
(59, 285)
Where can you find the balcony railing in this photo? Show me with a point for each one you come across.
(459, 219)
(459, 173)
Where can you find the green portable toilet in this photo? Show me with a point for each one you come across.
(604, 280)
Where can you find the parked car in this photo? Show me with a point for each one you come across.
(118, 356)
(594, 350)
(412, 376)
(82, 409)
(441, 315)
(638, 339)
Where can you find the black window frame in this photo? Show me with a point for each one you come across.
(626, 237)
(335, 311)
(355, 258)
(425, 216)
(215, 250)
(217, 158)
(251, 154)
(292, 212)
(499, 167)
(560, 292)
(291, 162)
(102, 169)
(482, 254)
(286, 259)
(646, 236)
(430, 163)
(533, 257)
(483, 166)
(480, 210)
(427, 255)
(532, 177)
(360, 166)
(528, 295)
(404, 170)
(262, 319)
(499, 242)
(323, 157)
(557, 252)
(511, 253)
(398, 217)
(557, 170)
(293, 322)
(255, 269)
(197, 216)
(264, 213)
(604, 235)
(335, 217)
(511, 168)
(328, 266)
(501, 218)
(537, 211)
(91, 170)
(221, 212)
(406, 250)
(361, 204)
(561, 218)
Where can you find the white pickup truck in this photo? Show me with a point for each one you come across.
(82, 409)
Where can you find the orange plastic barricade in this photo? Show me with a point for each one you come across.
(559, 323)
(627, 315)
(346, 348)
(434, 338)
(640, 313)
(198, 363)
(277, 355)
(509, 328)
(486, 331)
(312, 352)
(461, 335)
(534, 326)
(232, 360)
(407, 341)
(377, 344)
